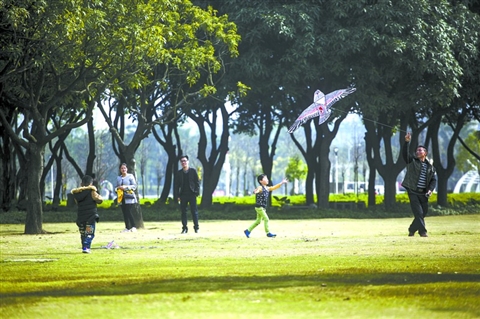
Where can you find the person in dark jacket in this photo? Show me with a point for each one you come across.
(87, 198)
(186, 190)
(420, 181)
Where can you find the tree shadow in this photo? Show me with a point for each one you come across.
(124, 286)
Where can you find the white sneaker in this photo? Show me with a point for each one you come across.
(86, 250)
(133, 230)
(125, 231)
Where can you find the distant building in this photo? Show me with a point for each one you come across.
(468, 183)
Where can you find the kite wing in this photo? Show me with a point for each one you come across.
(337, 95)
(313, 110)
(320, 107)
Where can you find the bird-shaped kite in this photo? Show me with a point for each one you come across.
(320, 107)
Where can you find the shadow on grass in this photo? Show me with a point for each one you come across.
(399, 283)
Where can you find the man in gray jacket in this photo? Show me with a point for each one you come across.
(420, 181)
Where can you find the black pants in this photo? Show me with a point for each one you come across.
(190, 199)
(419, 205)
(128, 215)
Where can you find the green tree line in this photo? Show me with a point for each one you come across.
(415, 65)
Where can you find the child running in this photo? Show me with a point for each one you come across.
(87, 198)
(262, 193)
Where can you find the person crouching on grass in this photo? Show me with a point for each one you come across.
(87, 198)
(262, 193)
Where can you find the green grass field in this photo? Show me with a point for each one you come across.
(322, 268)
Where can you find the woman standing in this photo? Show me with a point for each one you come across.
(126, 186)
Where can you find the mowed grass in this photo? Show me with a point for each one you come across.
(323, 268)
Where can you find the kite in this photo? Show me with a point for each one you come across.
(320, 107)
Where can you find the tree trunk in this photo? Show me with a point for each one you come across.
(22, 179)
(390, 190)
(246, 191)
(442, 186)
(371, 188)
(209, 186)
(324, 139)
(237, 190)
(55, 159)
(34, 218)
(310, 159)
(213, 164)
(309, 186)
(7, 175)
(170, 170)
(266, 157)
(443, 174)
(58, 185)
(137, 211)
(91, 149)
(171, 166)
(370, 140)
(267, 151)
(322, 172)
(137, 215)
(8, 157)
(385, 164)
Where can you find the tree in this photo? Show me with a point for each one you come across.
(37, 82)
(274, 57)
(385, 48)
(242, 156)
(55, 158)
(197, 41)
(143, 163)
(401, 71)
(464, 108)
(466, 159)
(296, 171)
(212, 163)
(63, 55)
(170, 135)
(11, 153)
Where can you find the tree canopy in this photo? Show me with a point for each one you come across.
(63, 55)
(414, 64)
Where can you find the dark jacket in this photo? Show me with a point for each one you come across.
(193, 182)
(414, 166)
(87, 199)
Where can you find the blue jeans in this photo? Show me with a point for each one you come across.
(190, 199)
(87, 233)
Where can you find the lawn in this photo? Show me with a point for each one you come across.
(318, 268)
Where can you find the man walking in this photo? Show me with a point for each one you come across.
(186, 190)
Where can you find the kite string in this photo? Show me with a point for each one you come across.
(375, 122)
